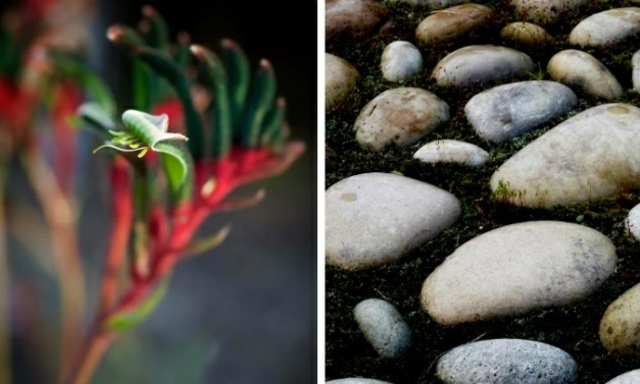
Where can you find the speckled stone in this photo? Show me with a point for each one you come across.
(480, 64)
(356, 380)
(620, 324)
(506, 271)
(452, 24)
(376, 218)
(633, 221)
(339, 81)
(526, 33)
(399, 116)
(383, 327)
(355, 19)
(401, 61)
(635, 62)
(631, 377)
(452, 151)
(507, 111)
(606, 27)
(431, 3)
(591, 155)
(502, 361)
(580, 70)
(546, 11)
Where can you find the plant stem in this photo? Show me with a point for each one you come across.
(5, 283)
(97, 345)
(59, 215)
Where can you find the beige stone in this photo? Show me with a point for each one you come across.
(339, 81)
(452, 24)
(607, 27)
(545, 11)
(526, 33)
(620, 324)
(356, 19)
(579, 70)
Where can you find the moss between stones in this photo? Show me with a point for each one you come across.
(573, 328)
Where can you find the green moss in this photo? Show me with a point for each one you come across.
(572, 328)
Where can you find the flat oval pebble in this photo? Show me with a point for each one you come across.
(545, 11)
(631, 377)
(507, 361)
(355, 19)
(452, 24)
(401, 61)
(451, 151)
(635, 63)
(356, 380)
(431, 3)
(340, 80)
(506, 271)
(383, 327)
(526, 33)
(592, 155)
(607, 27)
(582, 71)
(633, 221)
(376, 218)
(480, 64)
(399, 116)
(507, 111)
(620, 324)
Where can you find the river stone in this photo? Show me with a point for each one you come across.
(502, 361)
(340, 80)
(592, 155)
(620, 324)
(607, 27)
(401, 61)
(376, 218)
(479, 64)
(631, 377)
(635, 61)
(633, 221)
(452, 24)
(506, 271)
(354, 19)
(451, 151)
(383, 327)
(526, 33)
(546, 11)
(582, 71)
(507, 111)
(431, 3)
(399, 116)
(356, 380)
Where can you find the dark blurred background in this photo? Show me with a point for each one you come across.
(246, 311)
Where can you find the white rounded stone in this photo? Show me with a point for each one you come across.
(401, 61)
(631, 377)
(580, 70)
(376, 218)
(340, 80)
(480, 64)
(506, 271)
(501, 361)
(451, 151)
(633, 221)
(383, 327)
(635, 62)
(356, 380)
(606, 27)
(452, 24)
(592, 155)
(399, 116)
(507, 111)
(620, 324)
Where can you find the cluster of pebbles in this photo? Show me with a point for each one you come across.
(376, 218)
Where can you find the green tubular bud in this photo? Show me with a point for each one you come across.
(125, 37)
(158, 31)
(182, 54)
(273, 122)
(260, 100)
(215, 79)
(238, 74)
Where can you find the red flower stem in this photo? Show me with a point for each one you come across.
(59, 215)
(5, 282)
(97, 345)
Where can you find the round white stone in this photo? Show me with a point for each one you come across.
(607, 27)
(376, 218)
(632, 377)
(384, 327)
(506, 271)
(633, 221)
(635, 62)
(401, 61)
(399, 116)
(356, 380)
(451, 151)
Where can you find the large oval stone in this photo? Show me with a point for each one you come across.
(592, 155)
(507, 111)
(620, 324)
(340, 80)
(376, 218)
(582, 71)
(383, 327)
(631, 377)
(635, 74)
(452, 24)
(480, 64)
(354, 19)
(356, 380)
(502, 361)
(607, 27)
(546, 11)
(506, 271)
(399, 116)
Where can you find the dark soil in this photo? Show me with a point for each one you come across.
(571, 328)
